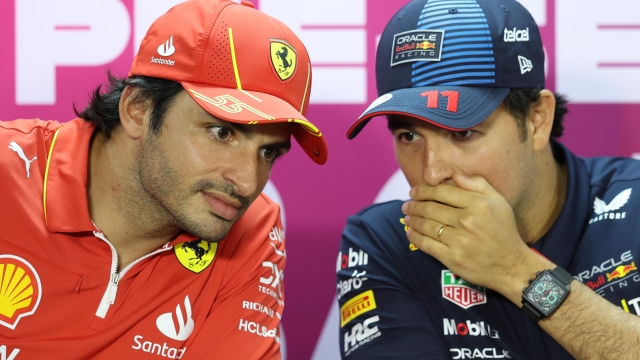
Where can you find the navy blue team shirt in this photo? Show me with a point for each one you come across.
(397, 302)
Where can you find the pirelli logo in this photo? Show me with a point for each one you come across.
(357, 306)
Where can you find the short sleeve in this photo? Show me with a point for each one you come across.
(381, 315)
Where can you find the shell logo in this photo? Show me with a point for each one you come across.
(20, 290)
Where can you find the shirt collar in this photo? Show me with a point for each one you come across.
(65, 183)
(559, 243)
(65, 200)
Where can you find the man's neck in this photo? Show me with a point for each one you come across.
(132, 221)
(545, 201)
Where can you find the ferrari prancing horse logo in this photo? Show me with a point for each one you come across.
(196, 255)
(284, 58)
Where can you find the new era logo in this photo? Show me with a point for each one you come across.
(180, 330)
(525, 64)
(167, 49)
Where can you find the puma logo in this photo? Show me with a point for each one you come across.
(15, 147)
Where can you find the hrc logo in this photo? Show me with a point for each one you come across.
(196, 255)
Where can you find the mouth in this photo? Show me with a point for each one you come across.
(222, 206)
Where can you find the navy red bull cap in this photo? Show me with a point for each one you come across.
(452, 62)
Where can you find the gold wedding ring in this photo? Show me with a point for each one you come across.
(440, 232)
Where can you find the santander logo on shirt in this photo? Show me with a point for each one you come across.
(184, 326)
(179, 329)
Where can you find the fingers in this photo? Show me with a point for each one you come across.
(441, 213)
(428, 244)
(446, 194)
(426, 227)
(476, 184)
(462, 195)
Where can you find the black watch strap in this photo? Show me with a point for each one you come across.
(531, 312)
(562, 275)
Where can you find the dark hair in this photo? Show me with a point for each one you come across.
(519, 102)
(103, 109)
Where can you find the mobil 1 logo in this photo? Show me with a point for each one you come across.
(417, 45)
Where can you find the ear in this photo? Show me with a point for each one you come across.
(540, 120)
(134, 114)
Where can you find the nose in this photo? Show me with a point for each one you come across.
(243, 171)
(436, 162)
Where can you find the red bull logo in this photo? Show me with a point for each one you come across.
(621, 271)
(426, 45)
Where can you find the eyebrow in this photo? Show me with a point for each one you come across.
(245, 130)
(283, 146)
(393, 123)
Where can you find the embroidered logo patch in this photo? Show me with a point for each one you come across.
(357, 306)
(417, 45)
(196, 255)
(20, 290)
(283, 58)
(460, 292)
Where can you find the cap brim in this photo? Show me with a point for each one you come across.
(252, 107)
(449, 107)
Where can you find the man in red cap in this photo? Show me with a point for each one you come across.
(139, 229)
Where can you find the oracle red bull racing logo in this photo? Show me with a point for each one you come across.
(417, 45)
(20, 290)
(460, 292)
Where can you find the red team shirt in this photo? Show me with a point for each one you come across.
(62, 296)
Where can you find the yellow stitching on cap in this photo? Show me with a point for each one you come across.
(46, 175)
(312, 129)
(306, 87)
(233, 59)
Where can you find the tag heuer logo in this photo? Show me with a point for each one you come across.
(460, 292)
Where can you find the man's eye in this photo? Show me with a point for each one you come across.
(220, 132)
(270, 154)
(407, 136)
(463, 134)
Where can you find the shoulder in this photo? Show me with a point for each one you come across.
(263, 204)
(614, 189)
(258, 224)
(380, 226)
(28, 126)
(606, 171)
(381, 221)
(381, 213)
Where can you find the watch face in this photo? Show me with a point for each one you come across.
(546, 293)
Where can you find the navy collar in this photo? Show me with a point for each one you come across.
(562, 239)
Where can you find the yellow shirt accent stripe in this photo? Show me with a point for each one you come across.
(46, 174)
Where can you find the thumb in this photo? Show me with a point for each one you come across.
(475, 183)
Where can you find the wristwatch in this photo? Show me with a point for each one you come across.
(545, 293)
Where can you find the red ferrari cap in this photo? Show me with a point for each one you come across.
(239, 64)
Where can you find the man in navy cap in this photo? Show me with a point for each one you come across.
(510, 246)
